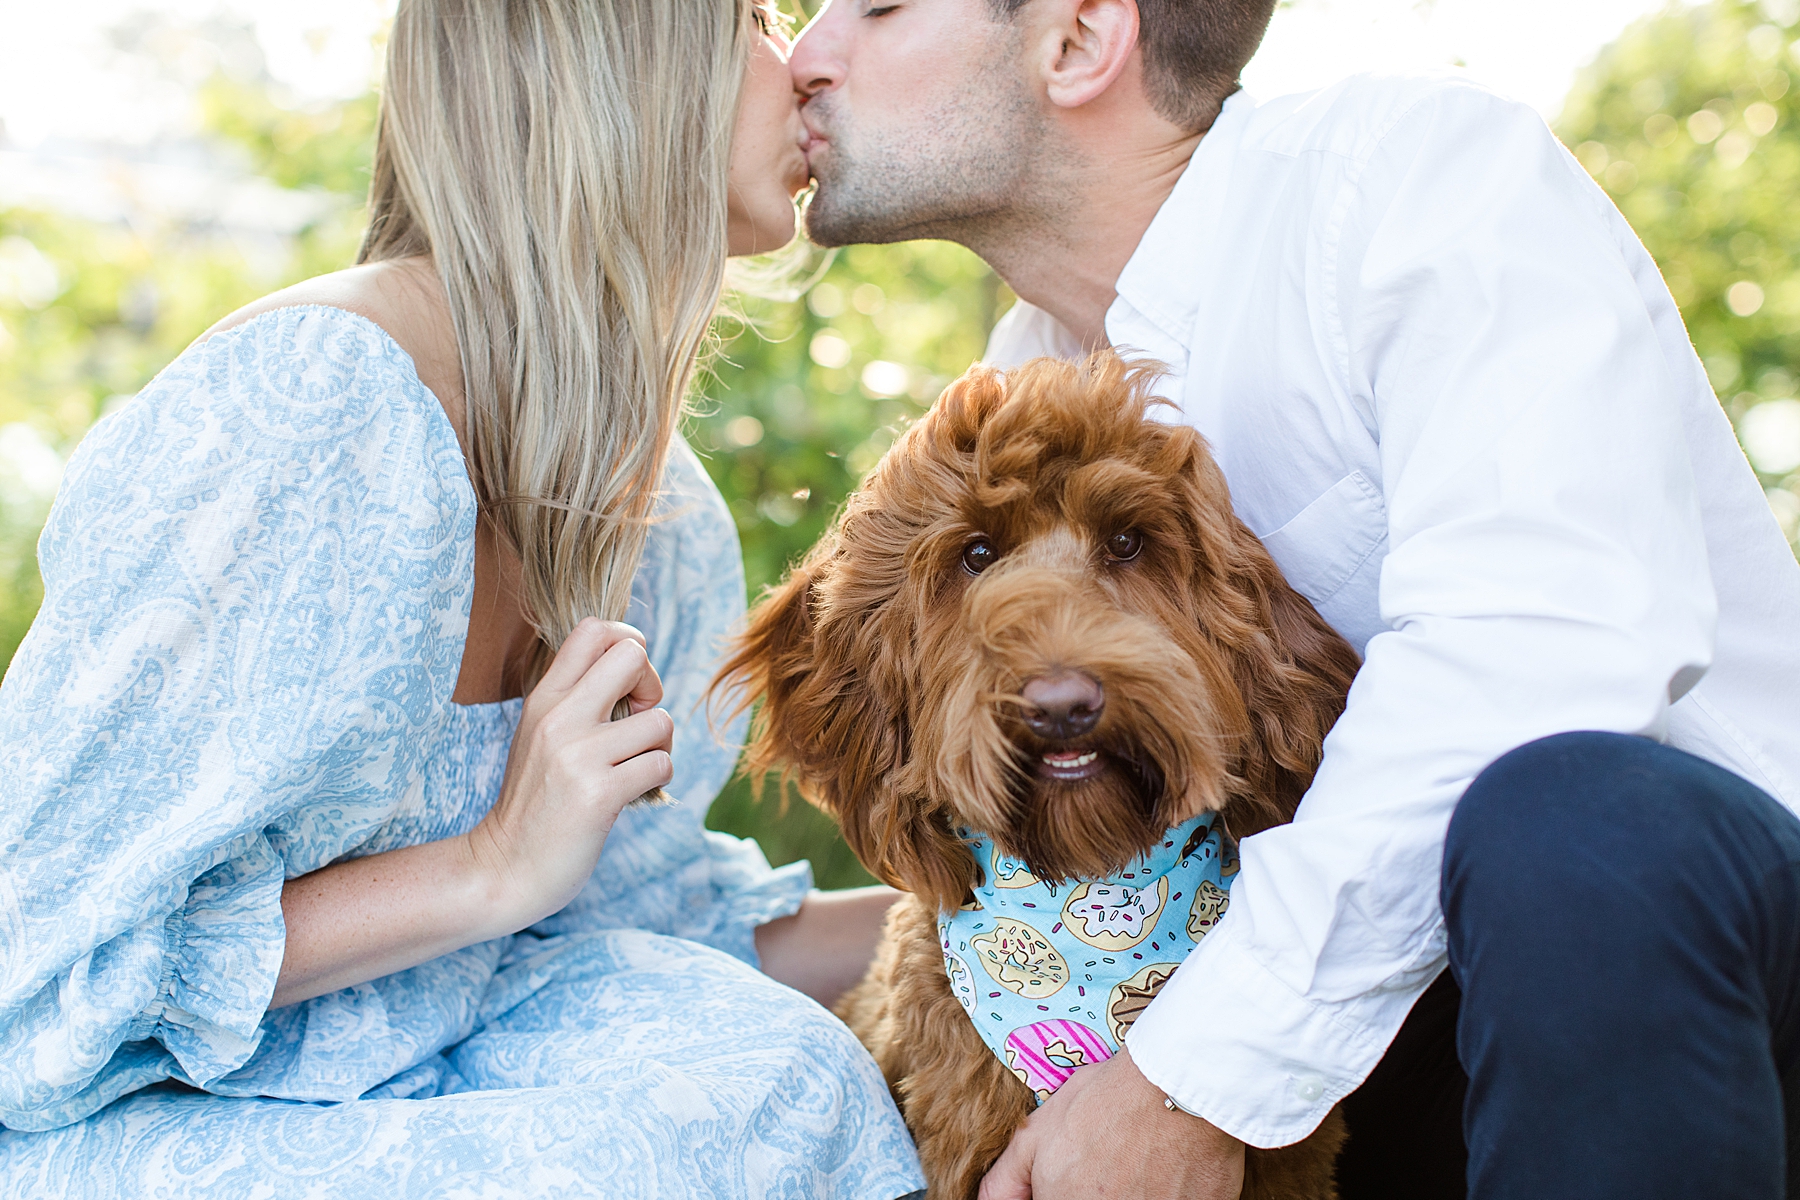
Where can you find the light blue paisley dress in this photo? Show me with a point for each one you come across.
(257, 585)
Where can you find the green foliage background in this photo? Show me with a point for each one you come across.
(1691, 121)
(801, 401)
(802, 396)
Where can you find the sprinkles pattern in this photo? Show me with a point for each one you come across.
(1115, 916)
(1020, 959)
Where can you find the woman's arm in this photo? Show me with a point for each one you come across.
(824, 949)
(569, 773)
(359, 920)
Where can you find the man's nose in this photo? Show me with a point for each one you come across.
(817, 60)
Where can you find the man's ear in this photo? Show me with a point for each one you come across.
(1084, 46)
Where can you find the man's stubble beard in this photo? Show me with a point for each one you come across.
(962, 176)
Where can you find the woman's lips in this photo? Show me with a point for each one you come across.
(810, 137)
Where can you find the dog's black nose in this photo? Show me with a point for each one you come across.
(1064, 705)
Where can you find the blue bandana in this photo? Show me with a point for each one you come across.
(1053, 975)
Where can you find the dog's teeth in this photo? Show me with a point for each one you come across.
(1071, 760)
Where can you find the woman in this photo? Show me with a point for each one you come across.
(311, 754)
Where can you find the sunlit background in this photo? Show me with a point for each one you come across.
(162, 163)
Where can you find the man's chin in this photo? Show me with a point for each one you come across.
(823, 221)
(834, 218)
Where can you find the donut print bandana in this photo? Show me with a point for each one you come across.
(1054, 974)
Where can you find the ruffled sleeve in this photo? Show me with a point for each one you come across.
(256, 591)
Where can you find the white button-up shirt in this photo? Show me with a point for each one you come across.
(1455, 400)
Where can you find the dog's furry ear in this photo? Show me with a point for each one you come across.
(1292, 669)
(773, 664)
(828, 719)
(1294, 690)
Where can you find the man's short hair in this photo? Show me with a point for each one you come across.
(1194, 51)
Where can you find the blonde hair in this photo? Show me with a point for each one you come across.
(564, 164)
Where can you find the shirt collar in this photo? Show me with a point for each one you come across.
(1159, 289)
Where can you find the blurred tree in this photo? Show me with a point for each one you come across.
(798, 401)
(1689, 121)
(321, 148)
(91, 309)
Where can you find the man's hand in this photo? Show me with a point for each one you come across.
(1105, 1133)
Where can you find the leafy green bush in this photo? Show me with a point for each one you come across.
(798, 405)
(1692, 122)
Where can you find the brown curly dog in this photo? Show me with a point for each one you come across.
(1035, 572)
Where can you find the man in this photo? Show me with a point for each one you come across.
(1454, 398)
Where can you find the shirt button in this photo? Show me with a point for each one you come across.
(1309, 1087)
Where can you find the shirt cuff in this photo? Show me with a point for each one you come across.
(1230, 1042)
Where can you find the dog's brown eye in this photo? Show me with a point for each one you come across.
(979, 555)
(1123, 547)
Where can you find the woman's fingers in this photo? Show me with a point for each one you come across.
(648, 692)
(638, 775)
(647, 689)
(586, 645)
(623, 671)
(584, 760)
(628, 737)
(607, 766)
(572, 769)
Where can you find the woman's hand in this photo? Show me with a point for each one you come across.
(571, 770)
(568, 774)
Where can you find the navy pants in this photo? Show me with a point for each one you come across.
(1621, 1016)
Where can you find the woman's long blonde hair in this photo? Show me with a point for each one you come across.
(563, 163)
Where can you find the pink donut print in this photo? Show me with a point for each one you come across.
(1044, 1055)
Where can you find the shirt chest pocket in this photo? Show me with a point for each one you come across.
(1331, 553)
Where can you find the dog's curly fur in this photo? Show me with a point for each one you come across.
(891, 676)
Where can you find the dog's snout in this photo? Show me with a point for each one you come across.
(1064, 705)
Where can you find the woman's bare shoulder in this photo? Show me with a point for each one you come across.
(369, 290)
(403, 297)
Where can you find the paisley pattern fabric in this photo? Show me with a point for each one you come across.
(257, 585)
(1054, 975)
